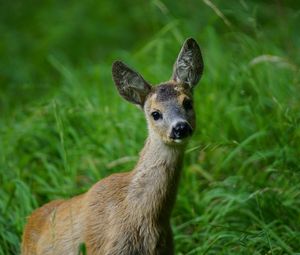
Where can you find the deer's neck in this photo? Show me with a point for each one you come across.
(153, 187)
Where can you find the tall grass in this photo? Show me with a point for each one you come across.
(63, 125)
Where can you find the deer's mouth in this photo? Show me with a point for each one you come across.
(179, 141)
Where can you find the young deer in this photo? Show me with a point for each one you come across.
(129, 213)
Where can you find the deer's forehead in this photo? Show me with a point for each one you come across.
(165, 94)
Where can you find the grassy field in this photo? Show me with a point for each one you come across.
(63, 125)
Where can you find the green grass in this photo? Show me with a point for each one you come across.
(63, 126)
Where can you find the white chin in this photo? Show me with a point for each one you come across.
(178, 140)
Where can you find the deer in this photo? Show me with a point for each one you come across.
(129, 213)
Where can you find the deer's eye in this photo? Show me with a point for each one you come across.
(187, 104)
(156, 115)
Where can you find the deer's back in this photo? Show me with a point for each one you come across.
(102, 218)
(35, 226)
(61, 225)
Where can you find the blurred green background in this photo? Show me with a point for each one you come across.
(63, 125)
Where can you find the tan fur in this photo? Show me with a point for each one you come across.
(127, 213)
(119, 212)
(124, 213)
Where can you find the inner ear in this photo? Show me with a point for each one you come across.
(188, 67)
(130, 84)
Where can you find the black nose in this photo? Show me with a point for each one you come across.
(181, 130)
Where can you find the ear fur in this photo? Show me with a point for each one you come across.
(130, 84)
(189, 65)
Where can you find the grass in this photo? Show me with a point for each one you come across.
(63, 126)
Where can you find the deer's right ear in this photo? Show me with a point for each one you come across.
(130, 84)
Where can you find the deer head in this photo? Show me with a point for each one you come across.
(168, 107)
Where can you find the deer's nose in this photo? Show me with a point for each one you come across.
(181, 130)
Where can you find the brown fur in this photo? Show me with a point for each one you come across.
(126, 213)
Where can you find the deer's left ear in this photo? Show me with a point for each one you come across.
(130, 84)
(189, 65)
